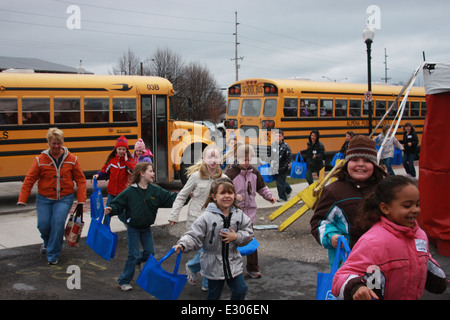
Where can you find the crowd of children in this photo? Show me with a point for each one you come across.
(375, 212)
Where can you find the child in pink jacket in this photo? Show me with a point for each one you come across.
(248, 181)
(391, 261)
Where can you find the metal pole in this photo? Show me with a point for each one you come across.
(369, 81)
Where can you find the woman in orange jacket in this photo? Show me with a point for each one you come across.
(56, 169)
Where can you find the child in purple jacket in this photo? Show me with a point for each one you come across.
(247, 180)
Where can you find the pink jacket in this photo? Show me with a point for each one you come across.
(404, 262)
(247, 183)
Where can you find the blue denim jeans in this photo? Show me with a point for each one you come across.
(408, 163)
(51, 220)
(283, 187)
(388, 164)
(194, 265)
(237, 286)
(135, 255)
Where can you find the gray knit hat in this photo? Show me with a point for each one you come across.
(361, 147)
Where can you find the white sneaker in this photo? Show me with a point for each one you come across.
(192, 277)
(126, 287)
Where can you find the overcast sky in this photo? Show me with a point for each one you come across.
(314, 39)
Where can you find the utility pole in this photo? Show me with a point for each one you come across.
(385, 67)
(236, 48)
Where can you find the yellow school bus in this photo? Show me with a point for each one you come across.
(93, 111)
(255, 106)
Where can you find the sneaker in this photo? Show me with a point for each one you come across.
(253, 274)
(125, 287)
(43, 250)
(281, 200)
(53, 262)
(192, 277)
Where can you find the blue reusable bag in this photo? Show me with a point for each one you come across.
(337, 156)
(249, 248)
(160, 283)
(398, 157)
(97, 206)
(100, 238)
(266, 172)
(325, 280)
(298, 169)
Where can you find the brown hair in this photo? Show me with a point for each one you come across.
(141, 167)
(228, 186)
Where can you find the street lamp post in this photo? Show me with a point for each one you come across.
(368, 35)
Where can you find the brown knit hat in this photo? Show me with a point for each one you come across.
(361, 147)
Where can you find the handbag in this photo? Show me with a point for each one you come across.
(266, 172)
(160, 283)
(325, 280)
(97, 206)
(298, 169)
(337, 156)
(100, 238)
(74, 227)
(249, 248)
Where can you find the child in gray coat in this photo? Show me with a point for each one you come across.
(220, 229)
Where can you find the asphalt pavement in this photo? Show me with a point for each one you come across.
(25, 274)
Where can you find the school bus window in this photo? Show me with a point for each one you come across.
(380, 108)
(406, 110)
(365, 108)
(96, 110)
(415, 108)
(67, 110)
(35, 110)
(270, 108)
(233, 107)
(124, 109)
(423, 110)
(251, 107)
(394, 109)
(326, 108)
(340, 109)
(8, 111)
(310, 107)
(355, 108)
(290, 107)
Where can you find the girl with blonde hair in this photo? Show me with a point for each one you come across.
(200, 177)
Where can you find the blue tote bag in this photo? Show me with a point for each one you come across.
(337, 156)
(325, 280)
(249, 248)
(266, 172)
(298, 168)
(97, 206)
(160, 283)
(100, 238)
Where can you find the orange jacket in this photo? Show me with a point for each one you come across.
(54, 183)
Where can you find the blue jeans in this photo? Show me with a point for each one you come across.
(408, 163)
(194, 265)
(283, 187)
(237, 286)
(387, 163)
(135, 256)
(51, 220)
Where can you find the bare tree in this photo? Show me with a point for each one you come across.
(201, 88)
(129, 64)
(197, 95)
